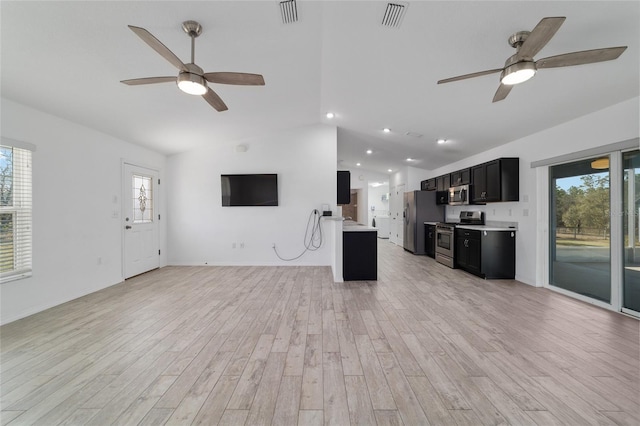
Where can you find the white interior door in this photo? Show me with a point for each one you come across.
(140, 220)
(399, 201)
(396, 227)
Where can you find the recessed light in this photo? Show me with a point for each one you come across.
(389, 170)
(369, 151)
(386, 130)
(409, 159)
(357, 164)
(330, 115)
(441, 141)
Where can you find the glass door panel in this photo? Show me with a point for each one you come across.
(580, 244)
(631, 207)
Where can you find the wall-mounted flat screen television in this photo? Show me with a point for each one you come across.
(249, 190)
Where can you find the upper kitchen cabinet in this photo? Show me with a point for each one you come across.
(428, 185)
(443, 183)
(461, 177)
(344, 187)
(497, 180)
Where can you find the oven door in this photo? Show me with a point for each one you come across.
(444, 242)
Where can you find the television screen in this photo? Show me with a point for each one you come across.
(249, 190)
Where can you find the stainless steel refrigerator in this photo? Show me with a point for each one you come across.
(419, 207)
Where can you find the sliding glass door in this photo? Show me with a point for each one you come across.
(580, 231)
(631, 209)
(594, 202)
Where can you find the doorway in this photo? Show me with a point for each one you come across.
(139, 204)
(580, 235)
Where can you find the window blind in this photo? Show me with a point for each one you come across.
(15, 212)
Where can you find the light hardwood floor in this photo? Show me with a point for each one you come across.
(286, 345)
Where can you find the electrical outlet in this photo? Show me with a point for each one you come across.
(233, 245)
(509, 212)
(525, 212)
(273, 245)
(99, 261)
(241, 245)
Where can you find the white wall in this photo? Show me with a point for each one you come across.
(614, 124)
(76, 190)
(201, 231)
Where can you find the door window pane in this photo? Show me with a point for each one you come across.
(580, 228)
(631, 202)
(142, 199)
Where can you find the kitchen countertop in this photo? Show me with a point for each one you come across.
(358, 228)
(431, 223)
(486, 228)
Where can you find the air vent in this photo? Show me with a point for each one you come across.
(393, 14)
(289, 11)
(414, 134)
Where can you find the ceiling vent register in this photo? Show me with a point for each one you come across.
(393, 14)
(289, 11)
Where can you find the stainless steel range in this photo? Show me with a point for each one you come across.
(446, 236)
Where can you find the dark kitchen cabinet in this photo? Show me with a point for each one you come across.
(497, 180)
(443, 183)
(428, 185)
(430, 240)
(468, 250)
(344, 187)
(487, 254)
(461, 177)
(360, 256)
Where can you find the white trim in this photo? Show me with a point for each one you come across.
(582, 298)
(18, 144)
(616, 241)
(628, 144)
(631, 313)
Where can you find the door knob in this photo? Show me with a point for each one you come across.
(127, 227)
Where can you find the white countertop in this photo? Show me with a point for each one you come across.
(486, 228)
(431, 223)
(359, 228)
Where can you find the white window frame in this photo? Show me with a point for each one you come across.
(21, 209)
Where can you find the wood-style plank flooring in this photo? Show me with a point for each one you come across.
(286, 345)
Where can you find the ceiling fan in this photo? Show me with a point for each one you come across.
(191, 78)
(521, 67)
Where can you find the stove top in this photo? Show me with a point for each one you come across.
(466, 218)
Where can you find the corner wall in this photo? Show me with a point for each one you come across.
(77, 241)
(201, 231)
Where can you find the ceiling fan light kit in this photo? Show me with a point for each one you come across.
(518, 73)
(191, 78)
(521, 66)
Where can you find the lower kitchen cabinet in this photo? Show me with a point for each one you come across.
(360, 256)
(430, 240)
(487, 254)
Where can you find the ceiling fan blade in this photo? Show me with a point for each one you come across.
(237, 78)
(157, 45)
(215, 100)
(502, 92)
(580, 58)
(539, 37)
(472, 75)
(148, 80)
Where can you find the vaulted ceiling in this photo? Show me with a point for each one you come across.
(67, 58)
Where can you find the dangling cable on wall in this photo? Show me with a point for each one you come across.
(312, 236)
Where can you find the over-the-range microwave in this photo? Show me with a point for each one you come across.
(459, 195)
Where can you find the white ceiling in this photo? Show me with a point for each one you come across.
(67, 58)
